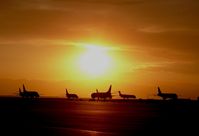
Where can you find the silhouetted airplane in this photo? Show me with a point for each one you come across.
(71, 96)
(102, 95)
(28, 94)
(167, 95)
(127, 96)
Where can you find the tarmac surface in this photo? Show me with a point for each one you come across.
(62, 117)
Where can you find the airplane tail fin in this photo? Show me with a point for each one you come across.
(66, 91)
(109, 90)
(20, 91)
(24, 89)
(159, 91)
(119, 92)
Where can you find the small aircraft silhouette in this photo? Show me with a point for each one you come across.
(28, 94)
(167, 95)
(127, 96)
(71, 96)
(102, 95)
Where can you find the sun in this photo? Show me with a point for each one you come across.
(95, 61)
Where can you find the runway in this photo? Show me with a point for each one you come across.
(61, 117)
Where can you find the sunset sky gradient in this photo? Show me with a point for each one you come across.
(150, 42)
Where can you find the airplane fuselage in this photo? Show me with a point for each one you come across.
(168, 95)
(71, 96)
(29, 94)
(126, 96)
(102, 95)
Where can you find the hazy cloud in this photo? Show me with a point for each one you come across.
(186, 68)
(161, 29)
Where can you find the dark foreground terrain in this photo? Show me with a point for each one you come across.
(61, 117)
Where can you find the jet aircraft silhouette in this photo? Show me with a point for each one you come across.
(167, 95)
(126, 96)
(28, 94)
(71, 96)
(102, 95)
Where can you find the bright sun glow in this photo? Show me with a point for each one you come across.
(94, 61)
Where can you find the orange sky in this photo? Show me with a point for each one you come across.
(151, 43)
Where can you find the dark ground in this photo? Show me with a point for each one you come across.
(61, 117)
